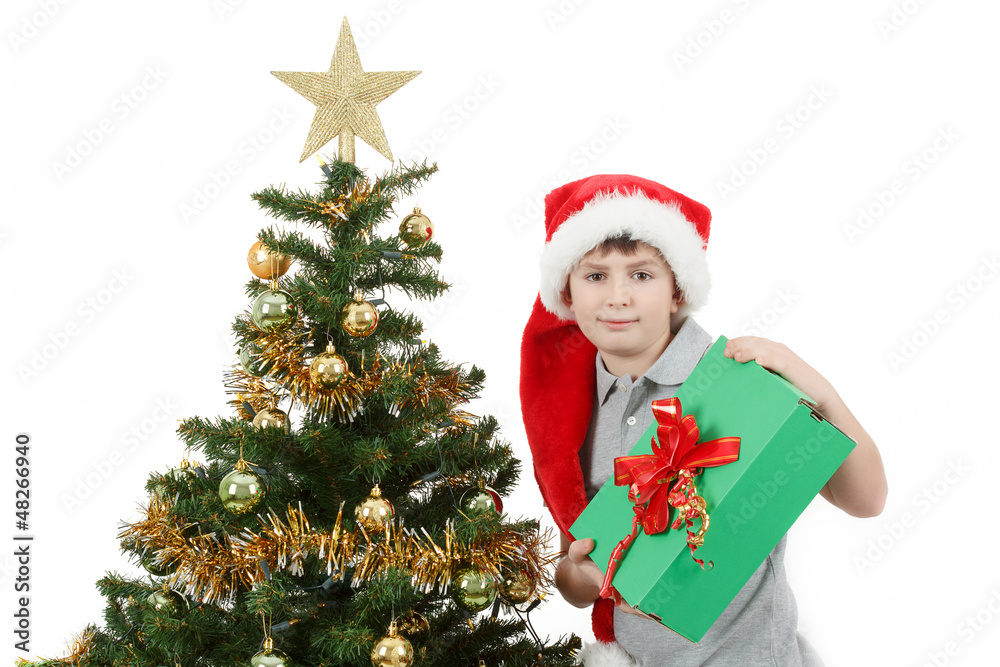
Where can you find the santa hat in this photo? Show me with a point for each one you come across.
(580, 215)
(557, 360)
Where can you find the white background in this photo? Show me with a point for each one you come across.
(116, 305)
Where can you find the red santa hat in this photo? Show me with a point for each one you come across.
(557, 361)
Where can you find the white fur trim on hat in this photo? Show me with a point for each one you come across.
(599, 654)
(608, 215)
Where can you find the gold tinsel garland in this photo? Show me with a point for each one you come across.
(281, 352)
(81, 646)
(337, 209)
(210, 568)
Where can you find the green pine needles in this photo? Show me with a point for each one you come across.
(292, 562)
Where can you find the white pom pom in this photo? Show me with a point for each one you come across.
(599, 654)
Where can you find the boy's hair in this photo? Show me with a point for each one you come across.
(623, 244)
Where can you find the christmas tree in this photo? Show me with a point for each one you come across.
(350, 511)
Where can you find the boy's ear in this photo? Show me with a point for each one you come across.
(567, 298)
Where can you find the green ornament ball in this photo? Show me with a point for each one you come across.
(167, 602)
(241, 491)
(185, 473)
(250, 360)
(481, 499)
(154, 568)
(274, 310)
(271, 657)
(472, 589)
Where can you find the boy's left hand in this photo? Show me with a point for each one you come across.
(859, 485)
(779, 359)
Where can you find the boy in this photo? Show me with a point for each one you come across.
(623, 267)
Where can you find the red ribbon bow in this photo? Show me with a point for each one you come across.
(677, 458)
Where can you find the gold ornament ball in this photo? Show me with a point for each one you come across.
(516, 587)
(359, 318)
(392, 651)
(472, 589)
(271, 658)
(241, 491)
(481, 499)
(266, 264)
(374, 512)
(274, 310)
(328, 369)
(416, 229)
(272, 418)
(414, 626)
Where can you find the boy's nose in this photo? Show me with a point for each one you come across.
(621, 294)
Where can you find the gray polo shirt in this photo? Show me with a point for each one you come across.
(760, 625)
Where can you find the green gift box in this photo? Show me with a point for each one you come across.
(788, 451)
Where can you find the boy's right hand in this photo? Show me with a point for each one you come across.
(579, 578)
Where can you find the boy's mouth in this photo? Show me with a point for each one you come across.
(618, 324)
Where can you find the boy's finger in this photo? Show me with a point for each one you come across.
(580, 548)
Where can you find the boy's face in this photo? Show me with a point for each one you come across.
(622, 304)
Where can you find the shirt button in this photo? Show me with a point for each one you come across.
(622, 387)
(630, 421)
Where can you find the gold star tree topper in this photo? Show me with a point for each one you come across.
(345, 97)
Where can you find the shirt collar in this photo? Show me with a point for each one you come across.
(683, 353)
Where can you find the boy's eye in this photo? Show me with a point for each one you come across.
(595, 277)
(641, 275)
